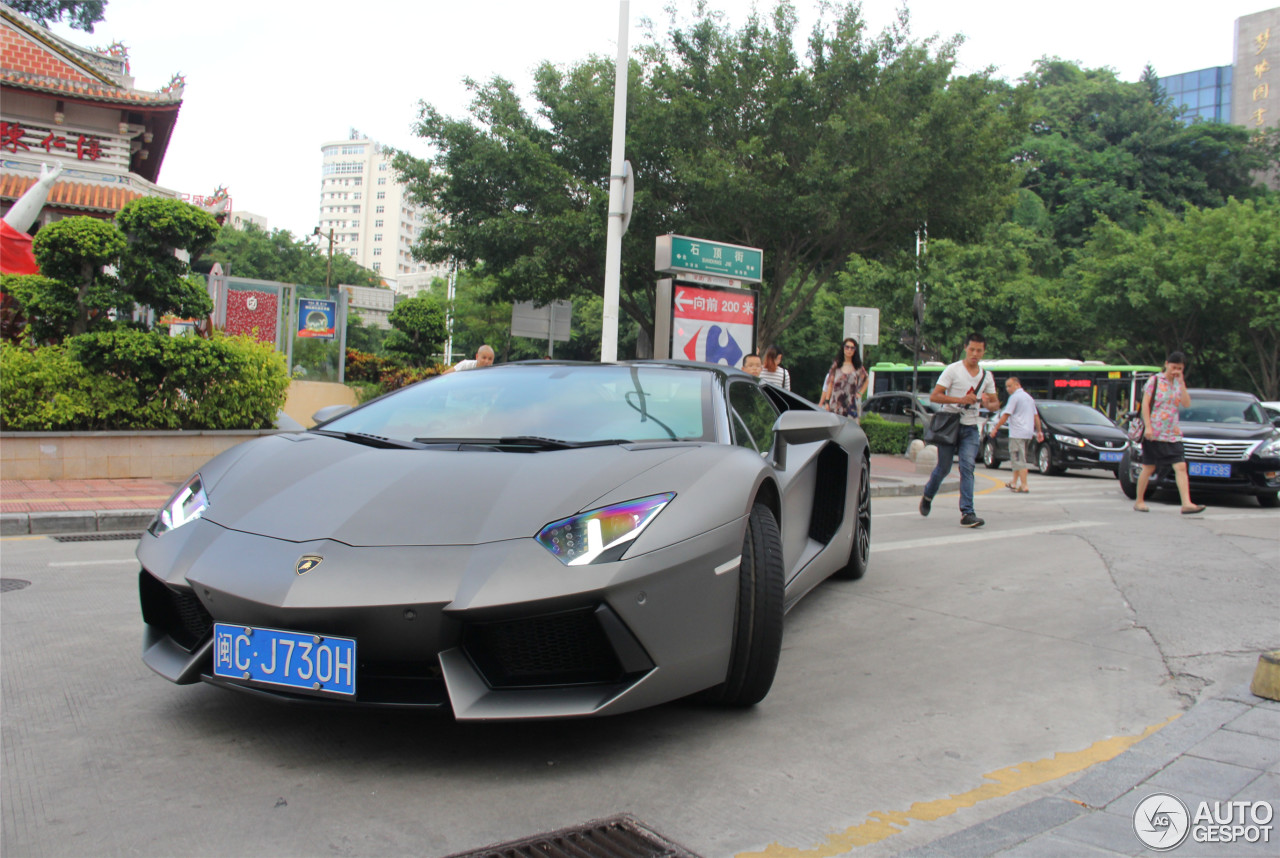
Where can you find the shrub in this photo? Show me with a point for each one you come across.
(886, 437)
(43, 389)
(362, 366)
(128, 379)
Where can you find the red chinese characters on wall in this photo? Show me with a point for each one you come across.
(11, 134)
(252, 314)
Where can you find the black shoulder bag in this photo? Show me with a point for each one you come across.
(944, 426)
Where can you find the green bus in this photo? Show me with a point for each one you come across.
(1110, 388)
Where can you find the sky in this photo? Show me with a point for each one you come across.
(270, 81)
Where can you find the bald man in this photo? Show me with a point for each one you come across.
(483, 358)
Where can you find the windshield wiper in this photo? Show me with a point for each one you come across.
(379, 441)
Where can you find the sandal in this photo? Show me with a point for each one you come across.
(1192, 510)
(1009, 485)
(1022, 491)
(1141, 507)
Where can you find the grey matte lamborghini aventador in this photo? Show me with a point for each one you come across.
(523, 541)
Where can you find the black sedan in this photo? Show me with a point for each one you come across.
(1231, 445)
(1075, 436)
(895, 406)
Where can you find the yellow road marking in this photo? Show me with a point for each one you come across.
(883, 824)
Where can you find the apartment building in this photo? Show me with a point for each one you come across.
(366, 208)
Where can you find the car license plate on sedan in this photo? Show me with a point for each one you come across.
(1110, 457)
(1208, 469)
(299, 660)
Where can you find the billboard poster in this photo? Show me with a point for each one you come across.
(316, 318)
(712, 325)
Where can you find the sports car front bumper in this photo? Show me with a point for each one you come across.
(498, 630)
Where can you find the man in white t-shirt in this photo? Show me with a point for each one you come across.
(1024, 424)
(961, 387)
(484, 357)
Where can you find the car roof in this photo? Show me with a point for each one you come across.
(1217, 393)
(716, 368)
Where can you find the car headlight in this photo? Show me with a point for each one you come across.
(1069, 440)
(187, 504)
(1271, 449)
(601, 535)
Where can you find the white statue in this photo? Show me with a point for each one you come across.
(27, 208)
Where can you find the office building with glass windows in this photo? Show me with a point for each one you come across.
(1240, 93)
(1203, 94)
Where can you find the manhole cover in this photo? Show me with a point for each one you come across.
(10, 584)
(621, 836)
(98, 537)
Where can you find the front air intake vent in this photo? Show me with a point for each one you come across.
(176, 611)
(566, 648)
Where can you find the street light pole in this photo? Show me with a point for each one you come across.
(328, 271)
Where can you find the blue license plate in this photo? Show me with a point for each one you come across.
(307, 662)
(1208, 469)
(1110, 457)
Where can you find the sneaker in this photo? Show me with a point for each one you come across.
(971, 520)
(925, 505)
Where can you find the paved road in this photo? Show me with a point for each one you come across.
(971, 672)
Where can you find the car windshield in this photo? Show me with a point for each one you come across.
(1073, 412)
(1207, 409)
(570, 403)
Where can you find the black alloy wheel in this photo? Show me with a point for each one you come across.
(860, 551)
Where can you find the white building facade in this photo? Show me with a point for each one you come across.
(366, 208)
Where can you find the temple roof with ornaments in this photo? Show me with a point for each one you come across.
(63, 103)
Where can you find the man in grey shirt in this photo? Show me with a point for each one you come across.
(1024, 423)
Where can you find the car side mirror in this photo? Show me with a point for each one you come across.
(802, 427)
(329, 412)
(1275, 421)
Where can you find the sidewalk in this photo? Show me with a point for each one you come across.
(89, 506)
(1224, 749)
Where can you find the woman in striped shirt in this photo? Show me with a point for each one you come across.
(773, 373)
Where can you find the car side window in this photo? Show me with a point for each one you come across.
(755, 416)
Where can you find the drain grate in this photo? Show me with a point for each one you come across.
(9, 584)
(621, 836)
(98, 537)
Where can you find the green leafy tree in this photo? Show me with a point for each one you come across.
(1207, 283)
(75, 251)
(154, 274)
(250, 251)
(1099, 147)
(733, 138)
(418, 330)
(79, 14)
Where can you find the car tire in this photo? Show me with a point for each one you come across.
(1044, 461)
(757, 633)
(860, 551)
(989, 457)
(1123, 474)
(1270, 500)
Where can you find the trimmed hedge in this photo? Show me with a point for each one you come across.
(886, 437)
(126, 379)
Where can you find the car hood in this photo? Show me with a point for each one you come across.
(1227, 431)
(305, 487)
(1092, 431)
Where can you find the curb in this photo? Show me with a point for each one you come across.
(83, 521)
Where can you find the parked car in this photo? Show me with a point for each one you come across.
(1075, 436)
(895, 406)
(532, 540)
(1231, 445)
